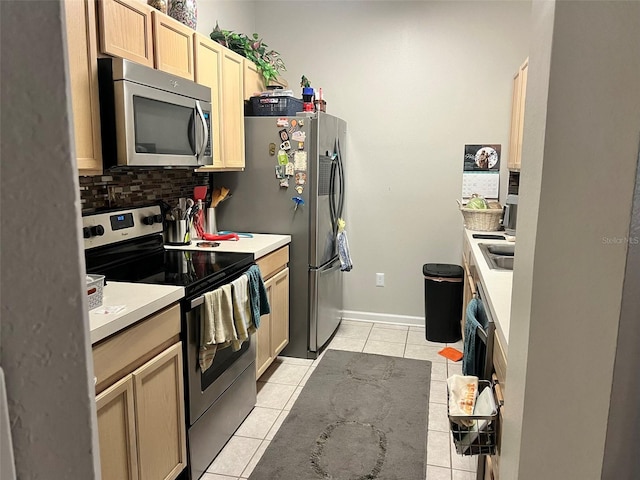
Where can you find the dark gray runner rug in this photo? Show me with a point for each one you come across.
(359, 417)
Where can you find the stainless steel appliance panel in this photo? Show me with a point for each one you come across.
(151, 118)
(326, 303)
(213, 430)
(259, 205)
(233, 364)
(155, 127)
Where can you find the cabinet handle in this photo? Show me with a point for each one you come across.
(498, 389)
(472, 286)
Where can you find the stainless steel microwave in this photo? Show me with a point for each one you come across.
(150, 118)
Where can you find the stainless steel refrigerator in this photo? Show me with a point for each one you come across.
(262, 203)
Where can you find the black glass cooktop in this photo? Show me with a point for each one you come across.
(148, 262)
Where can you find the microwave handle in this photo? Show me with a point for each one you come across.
(205, 139)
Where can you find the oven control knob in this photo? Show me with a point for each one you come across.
(157, 218)
(98, 230)
(86, 233)
(148, 220)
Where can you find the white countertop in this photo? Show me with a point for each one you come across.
(496, 284)
(260, 245)
(140, 301)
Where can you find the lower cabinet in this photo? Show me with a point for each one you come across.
(273, 334)
(141, 417)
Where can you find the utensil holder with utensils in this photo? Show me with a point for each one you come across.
(178, 232)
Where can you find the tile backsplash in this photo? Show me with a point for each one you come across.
(134, 188)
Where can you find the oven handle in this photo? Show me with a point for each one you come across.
(196, 302)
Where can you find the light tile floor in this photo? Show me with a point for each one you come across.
(280, 385)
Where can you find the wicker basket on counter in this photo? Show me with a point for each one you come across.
(482, 220)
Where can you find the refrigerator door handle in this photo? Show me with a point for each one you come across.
(333, 211)
(340, 168)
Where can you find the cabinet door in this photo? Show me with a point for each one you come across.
(159, 399)
(253, 80)
(264, 355)
(517, 116)
(117, 431)
(208, 72)
(172, 46)
(524, 69)
(126, 31)
(82, 53)
(233, 109)
(279, 303)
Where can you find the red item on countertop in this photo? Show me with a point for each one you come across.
(211, 237)
(451, 353)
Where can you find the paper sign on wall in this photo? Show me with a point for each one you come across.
(481, 172)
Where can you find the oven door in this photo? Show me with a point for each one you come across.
(205, 388)
(159, 128)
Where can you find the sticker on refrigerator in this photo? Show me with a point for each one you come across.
(283, 158)
(294, 124)
(299, 189)
(289, 170)
(272, 149)
(300, 145)
(284, 136)
(284, 183)
(285, 145)
(283, 122)
(300, 160)
(301, 178)
(280, 171)
(299, 136)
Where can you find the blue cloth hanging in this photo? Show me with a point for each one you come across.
(258, 298)
(474, 348)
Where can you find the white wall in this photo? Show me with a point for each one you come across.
(45, 348)
(415, 81)
(582, 120)
(230, 14)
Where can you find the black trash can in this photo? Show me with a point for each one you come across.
(443, 285)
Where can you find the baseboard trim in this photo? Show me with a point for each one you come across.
(382, 318)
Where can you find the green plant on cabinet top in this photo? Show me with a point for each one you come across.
(253, 48)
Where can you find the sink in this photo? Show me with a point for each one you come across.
(499, 257)
(502, 250)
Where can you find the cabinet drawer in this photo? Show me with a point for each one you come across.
(124, 352)
(274, 262)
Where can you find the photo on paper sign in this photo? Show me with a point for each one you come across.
(482, 157)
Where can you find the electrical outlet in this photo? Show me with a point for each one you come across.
(379, 279)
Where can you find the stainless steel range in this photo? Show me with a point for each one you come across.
(127, 245)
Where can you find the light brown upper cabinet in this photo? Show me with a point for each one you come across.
(126, 30)
(173, 46)
(208, 63)
(517, 116)
(233, 109)
(231, 84)
(83, 75)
